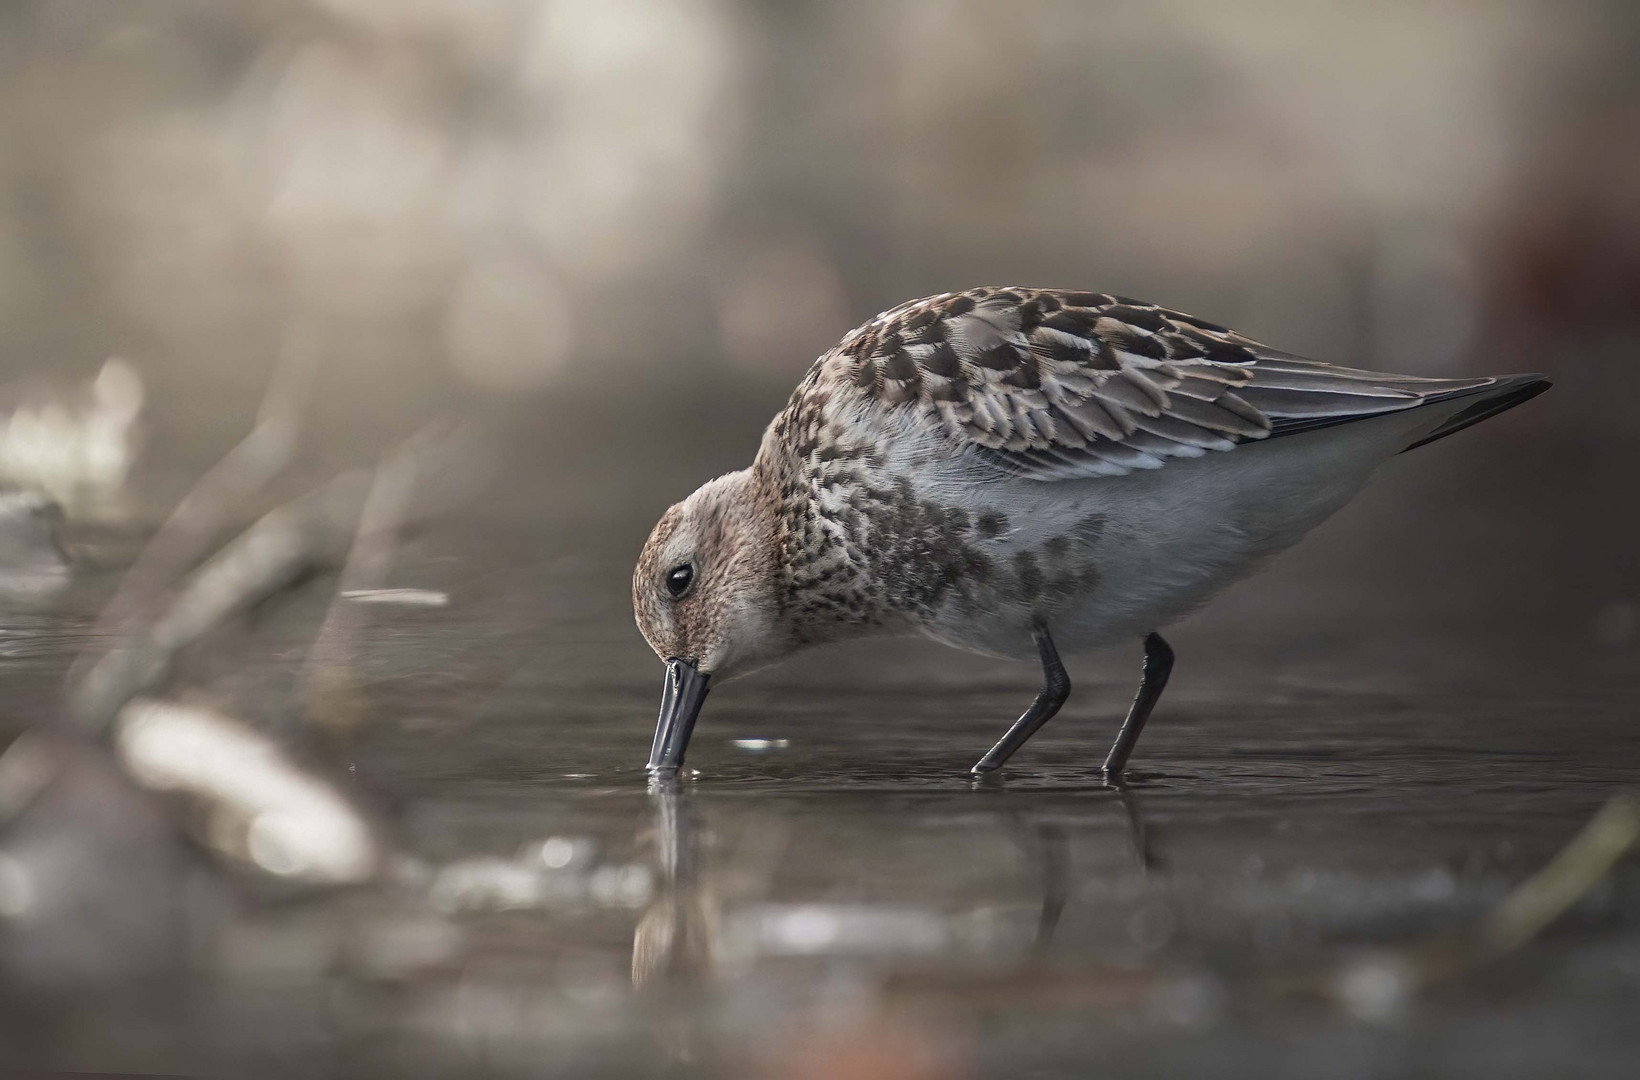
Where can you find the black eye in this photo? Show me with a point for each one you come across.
(678, 580)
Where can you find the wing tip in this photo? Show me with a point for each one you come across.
(1504, 394)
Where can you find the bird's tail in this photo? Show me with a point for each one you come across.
(1502, 394)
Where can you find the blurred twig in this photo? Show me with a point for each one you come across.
(1568, 877)
(311, 531)
(1379, 985)
(327, 682)
(1528, 910)
(187, 534)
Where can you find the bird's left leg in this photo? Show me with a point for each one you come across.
(1056, 687)
(1153, 679)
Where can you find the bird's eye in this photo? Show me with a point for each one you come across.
(678, 580)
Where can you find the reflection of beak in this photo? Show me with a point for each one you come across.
(681, 699)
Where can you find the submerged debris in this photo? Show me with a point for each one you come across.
(407, 597)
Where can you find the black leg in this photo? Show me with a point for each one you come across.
(1056, 687)
(1158, 665)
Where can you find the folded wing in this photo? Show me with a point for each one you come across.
(1056, 384)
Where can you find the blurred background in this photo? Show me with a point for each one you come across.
(623, 229)
(610, 235)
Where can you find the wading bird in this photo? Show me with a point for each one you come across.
(1013, 471)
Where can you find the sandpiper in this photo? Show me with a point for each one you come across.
(1013, 471)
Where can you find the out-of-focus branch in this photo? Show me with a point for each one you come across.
(327, 682)
(312, 531)
(1568, 877)
(187, 534)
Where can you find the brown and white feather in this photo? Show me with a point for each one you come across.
(1059, 384)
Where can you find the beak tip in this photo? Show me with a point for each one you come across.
(681, 697)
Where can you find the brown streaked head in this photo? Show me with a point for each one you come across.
(705, 595)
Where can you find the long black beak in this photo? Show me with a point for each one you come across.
(681, 698)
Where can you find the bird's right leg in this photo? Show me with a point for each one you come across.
(1056, 687)
(1152, 680)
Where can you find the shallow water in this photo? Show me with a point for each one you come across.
(1322, 794)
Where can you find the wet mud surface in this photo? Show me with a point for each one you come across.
(1330, 789)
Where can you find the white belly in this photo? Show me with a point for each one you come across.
(1155, 545)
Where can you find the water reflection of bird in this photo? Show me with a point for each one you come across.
(1046, 843)
(1013, 470)
(675, 939)
(707, 929)
(674, 945)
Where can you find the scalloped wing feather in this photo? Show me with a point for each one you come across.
(1058, 384)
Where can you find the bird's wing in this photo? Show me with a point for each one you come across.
(1055, 384)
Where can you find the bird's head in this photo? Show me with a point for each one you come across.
(705, 594)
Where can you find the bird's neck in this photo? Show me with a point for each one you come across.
(823, 592)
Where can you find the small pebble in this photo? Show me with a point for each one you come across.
(406, 597)
(758, 746)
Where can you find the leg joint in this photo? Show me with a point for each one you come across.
(1056, 685)
(1057, 688)
(1158, 654)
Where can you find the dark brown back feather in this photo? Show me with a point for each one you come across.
(1054, 383)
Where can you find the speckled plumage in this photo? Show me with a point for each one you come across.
(979, 466)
